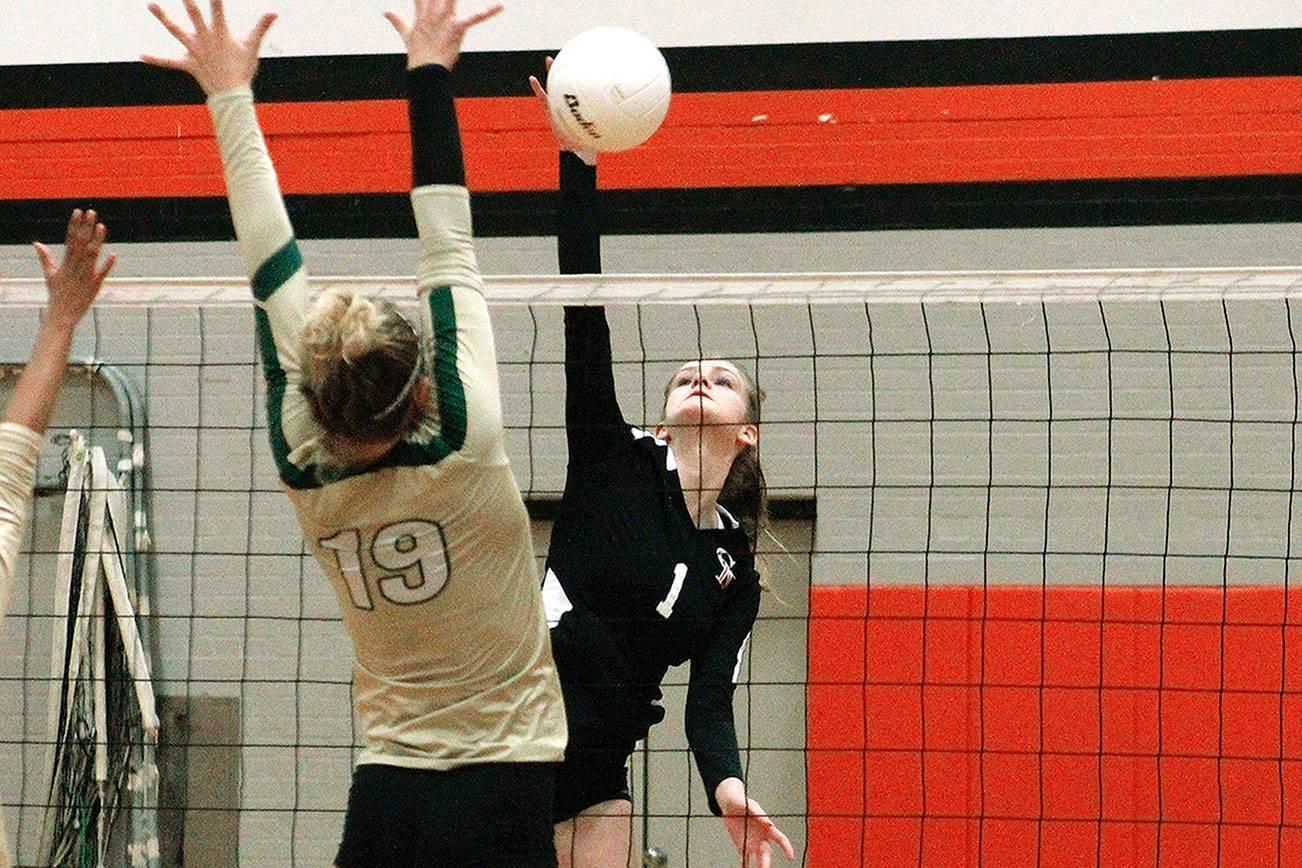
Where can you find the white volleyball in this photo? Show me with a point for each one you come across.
(609, 88)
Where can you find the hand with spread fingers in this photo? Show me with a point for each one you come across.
(435, 32)
(217, 60)
(74, 282)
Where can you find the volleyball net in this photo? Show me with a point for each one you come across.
(1032, 555)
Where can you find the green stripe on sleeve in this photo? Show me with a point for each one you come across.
(279, 267)
(450, 391)
(294, 476)
(447, 380)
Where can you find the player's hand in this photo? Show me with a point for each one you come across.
(74, 282)
(216, 59)
(751, 830)
(435, 33)
(565, 143)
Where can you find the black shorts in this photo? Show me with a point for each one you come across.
(607, 708)
(479, 816)
(590, 775)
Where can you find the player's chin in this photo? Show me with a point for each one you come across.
(689, 415)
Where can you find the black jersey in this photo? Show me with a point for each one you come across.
(634, 587)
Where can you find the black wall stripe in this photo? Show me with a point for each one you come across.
(913, 63)
(1255, 199)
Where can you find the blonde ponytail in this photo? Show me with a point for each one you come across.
(360, 361)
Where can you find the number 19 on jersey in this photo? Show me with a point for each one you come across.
(412, 553)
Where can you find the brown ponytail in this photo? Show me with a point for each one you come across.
(745, 494)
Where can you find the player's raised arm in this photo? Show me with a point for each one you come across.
(224, 65)
(72, 285)
(441, 202)
(453, 310)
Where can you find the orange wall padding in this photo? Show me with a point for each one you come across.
(971, 725)
(1146, 129)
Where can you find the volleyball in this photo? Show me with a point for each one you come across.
(608, 88)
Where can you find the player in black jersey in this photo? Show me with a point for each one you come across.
(651, 565)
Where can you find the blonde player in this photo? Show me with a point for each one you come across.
(72, 286)
(388, 439)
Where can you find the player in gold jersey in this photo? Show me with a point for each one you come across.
(388, 440)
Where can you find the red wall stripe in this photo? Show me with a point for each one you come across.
(1000, 716)
(1147, 129)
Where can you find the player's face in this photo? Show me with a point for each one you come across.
(708, 392)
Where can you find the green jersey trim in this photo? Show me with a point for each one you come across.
(279, 267)
(294, 476)
(450, 391)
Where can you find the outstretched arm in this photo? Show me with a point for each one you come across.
(72, 285)
(578, 242)
(460, 349)
(593, 418)
(224, 66)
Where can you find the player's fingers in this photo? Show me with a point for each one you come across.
(172, 27)
(260, 30)
(81, 229)
(218, 12)
(785, 843)
(399, 24)
(196, 17)
(47, 259)
(166, 62)
(484, 15)
(537, 88)
(70, 231)
(103, 272)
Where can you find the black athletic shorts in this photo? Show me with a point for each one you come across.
(481, 816)
(590, 775)
(607, 712)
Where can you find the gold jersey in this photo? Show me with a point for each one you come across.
(429, 551)
(20, 448)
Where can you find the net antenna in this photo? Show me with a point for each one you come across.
(103, 721)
